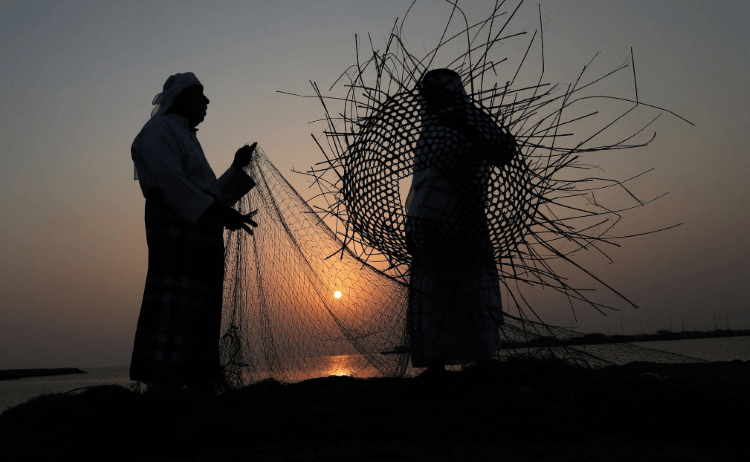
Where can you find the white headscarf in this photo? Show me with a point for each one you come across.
(173, 87)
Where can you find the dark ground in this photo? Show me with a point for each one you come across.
(518, 410)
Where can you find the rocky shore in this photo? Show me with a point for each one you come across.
(522, 409)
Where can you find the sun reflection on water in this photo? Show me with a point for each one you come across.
(339, 365)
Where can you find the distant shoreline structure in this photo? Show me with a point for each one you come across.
(14, 374)
(597, 338)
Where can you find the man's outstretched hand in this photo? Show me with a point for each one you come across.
(230, 218)
(244, 156)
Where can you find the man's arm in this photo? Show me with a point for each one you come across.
(235, 183)
(499, 152)
(230, 218)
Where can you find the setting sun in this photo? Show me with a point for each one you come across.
(337, 294)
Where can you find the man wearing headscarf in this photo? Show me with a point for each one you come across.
(455, 309)
(187, 209)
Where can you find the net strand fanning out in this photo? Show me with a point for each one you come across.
(499, 204)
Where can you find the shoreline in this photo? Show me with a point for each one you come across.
(590, 339)
(600, 339)
(15, 374)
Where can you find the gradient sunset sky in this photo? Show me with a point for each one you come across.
(77, 80)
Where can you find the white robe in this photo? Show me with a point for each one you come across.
(455, 309)
(169, 159)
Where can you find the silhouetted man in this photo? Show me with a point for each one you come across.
(187, 209)
(455, 309)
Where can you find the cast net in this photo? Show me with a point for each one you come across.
(324, 286)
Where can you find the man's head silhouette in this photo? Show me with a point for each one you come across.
(191, 104)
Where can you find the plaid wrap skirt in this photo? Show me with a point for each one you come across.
(177, 337)
(455, 306)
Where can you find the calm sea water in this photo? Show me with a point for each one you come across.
(13, 392)
(710, 349)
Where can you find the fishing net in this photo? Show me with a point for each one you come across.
(327, 286)
(282, 315)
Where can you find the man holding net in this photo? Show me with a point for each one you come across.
(455, 309)
(187, 209)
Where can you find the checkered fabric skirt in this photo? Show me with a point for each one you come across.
(177, 338)
(453, 317)
(455, 308)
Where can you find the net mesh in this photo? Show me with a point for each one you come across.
(282, 316)
(305, 299)
(282, 319)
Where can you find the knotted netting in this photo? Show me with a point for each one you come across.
(507, 202)
(282, 319)
(296, 306)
